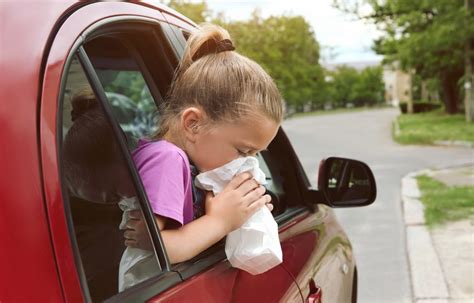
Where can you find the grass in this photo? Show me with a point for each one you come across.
(444, 203)
(427, 128)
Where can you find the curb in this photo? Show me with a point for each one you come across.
(427, 277)
(454, 144)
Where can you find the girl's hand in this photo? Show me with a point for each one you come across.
(239, 200)
(136, 235)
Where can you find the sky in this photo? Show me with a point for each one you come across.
(343, 38)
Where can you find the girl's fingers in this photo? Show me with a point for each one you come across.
(238, 180)
(247, 187)
(130, 242)
(209, 195)
(129, 234)
(259, 203)
(135, 214)
(132, 224)
(269, 206)
(254, 194)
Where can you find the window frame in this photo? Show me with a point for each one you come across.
(167, 278)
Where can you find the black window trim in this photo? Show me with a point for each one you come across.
(173, 39)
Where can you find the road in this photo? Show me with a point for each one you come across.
(377, 231)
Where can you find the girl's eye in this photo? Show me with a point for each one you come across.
(242, 153)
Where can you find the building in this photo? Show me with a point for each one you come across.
(397, 84)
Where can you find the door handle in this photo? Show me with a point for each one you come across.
(315, 293)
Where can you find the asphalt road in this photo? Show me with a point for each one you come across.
(377, 231)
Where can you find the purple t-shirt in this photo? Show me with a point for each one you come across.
(166, 175)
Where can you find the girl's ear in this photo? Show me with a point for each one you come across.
(192, 120)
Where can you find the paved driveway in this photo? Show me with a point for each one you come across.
(377, 231)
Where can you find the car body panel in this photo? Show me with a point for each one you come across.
(223, 283)
(320, 249)
(27, 253)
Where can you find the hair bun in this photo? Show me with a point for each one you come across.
(208, 39)
(212, 46)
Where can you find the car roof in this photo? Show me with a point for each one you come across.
(28, 29)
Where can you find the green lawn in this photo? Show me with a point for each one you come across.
(444, 203)
(426, 128)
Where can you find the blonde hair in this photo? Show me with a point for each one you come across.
(225, 84)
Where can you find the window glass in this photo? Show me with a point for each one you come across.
(121, 75)
(101, 192)
(274, 179)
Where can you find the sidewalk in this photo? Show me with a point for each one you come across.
(441, 260)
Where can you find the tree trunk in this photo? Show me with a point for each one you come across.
(468, 76)
(450, 90)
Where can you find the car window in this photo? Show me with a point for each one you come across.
(99, 189)
(135, 72)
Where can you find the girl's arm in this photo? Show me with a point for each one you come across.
(225, 212)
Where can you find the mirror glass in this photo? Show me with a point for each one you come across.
(347, 182)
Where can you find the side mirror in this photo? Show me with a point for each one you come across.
(346, 182)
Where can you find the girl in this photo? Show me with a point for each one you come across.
(221, 106)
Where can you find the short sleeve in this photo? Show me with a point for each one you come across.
(164, 177)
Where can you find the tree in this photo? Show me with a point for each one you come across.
(369, 87)
(343, 80)
(287, 49)
(427, 37)
(362, 88)
(285, 46)
(196, 11)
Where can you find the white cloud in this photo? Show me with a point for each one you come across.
(348, 38)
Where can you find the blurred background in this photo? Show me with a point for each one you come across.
(388, 82)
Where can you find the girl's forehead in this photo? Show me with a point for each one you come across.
(253, 133)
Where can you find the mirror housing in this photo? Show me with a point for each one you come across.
(346, 182)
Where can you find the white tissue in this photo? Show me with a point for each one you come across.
(215, 180)
(136, 265)
(255, 246)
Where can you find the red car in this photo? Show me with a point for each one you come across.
(59, 247)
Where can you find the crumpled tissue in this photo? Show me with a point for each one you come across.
(255, 246)
(136, 265)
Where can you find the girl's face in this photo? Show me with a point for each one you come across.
(215, 145)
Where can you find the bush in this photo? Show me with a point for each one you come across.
(420, 107)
